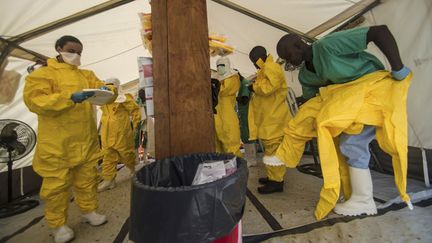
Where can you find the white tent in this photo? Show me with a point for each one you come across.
(112, 41)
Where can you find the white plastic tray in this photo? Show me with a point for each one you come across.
(100, 97)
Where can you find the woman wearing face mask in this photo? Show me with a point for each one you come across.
(68, 148)
(226, 120)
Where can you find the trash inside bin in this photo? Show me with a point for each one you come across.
(165, 207)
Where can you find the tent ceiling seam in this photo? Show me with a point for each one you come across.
(356, 10)
(115, 55)
(68, 20)
(263, 18)
(13, 42)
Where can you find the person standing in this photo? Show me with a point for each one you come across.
(226, 120)
(337, 59)
(68, 149)
(119, 121)
(268, 114)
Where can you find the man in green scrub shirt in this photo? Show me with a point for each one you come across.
(339, 58)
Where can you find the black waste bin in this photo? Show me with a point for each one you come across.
(166, 208)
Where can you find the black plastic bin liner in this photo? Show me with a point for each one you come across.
(166, 208)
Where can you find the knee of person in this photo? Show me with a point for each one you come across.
(48, 193)
(351, 151)
(352, 147)
(359, 165)
(346, 149)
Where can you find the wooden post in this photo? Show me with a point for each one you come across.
(181, 71)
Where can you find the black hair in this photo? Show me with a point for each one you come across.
(66, 38)
(281, 45)
(284, 43)
(257, 52)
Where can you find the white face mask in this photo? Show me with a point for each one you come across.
(71, 58)
(291, 67)
(221, 70)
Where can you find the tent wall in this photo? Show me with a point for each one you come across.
(17, 109)
(411, 24)
(415, 165)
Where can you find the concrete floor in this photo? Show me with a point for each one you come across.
(292, 208)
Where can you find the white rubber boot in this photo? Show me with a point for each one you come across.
(361, 200)
(94, 219)
(106, 185)
(63, 234)
(250, 154)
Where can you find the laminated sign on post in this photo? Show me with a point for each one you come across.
(145, 67)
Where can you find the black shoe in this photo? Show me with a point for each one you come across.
(263, 180)
(271, 187)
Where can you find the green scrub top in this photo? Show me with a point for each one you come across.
(338, 58)
(244, 90)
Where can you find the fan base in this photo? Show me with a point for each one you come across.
(15, 208)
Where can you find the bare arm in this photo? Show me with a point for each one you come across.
(383, 38)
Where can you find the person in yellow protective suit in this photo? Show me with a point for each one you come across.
(68, 149)
(360, 103)
(226, 120)
(268, 114)
(117, 135)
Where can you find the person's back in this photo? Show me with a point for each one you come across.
(116, 128)
(271, 111)
(117, 135)
(268, 114)
(227, 95)
(339, 57)
(226, 120)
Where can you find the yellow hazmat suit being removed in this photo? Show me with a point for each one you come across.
(268, 114)
(374, 99)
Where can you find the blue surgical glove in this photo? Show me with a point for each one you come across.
(104, 88)
(401, 74)
(79, 97)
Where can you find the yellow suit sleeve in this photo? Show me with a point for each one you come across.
(96, 83)
(40, 96)
(270, 81)
(133, 110)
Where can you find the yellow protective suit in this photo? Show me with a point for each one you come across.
(226, 120)
(67, 148)
(374, 99)
(117, 135)
(269, 112)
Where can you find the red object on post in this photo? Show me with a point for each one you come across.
(234, 237)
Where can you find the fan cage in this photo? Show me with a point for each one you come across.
(26, 136)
